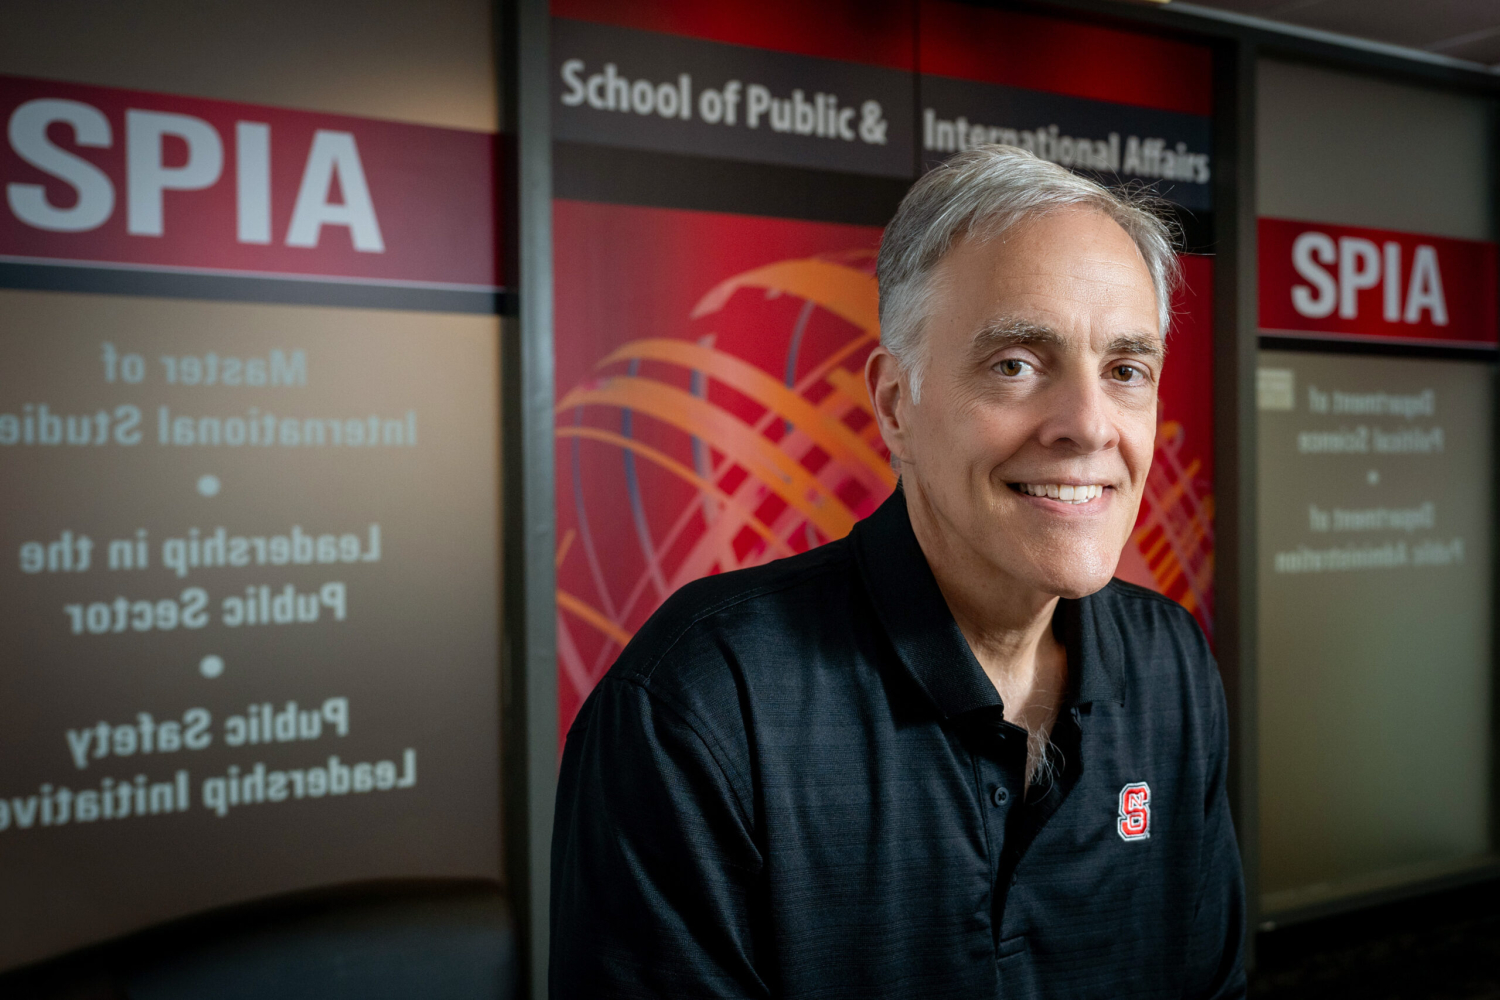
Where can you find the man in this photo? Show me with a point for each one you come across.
(946, 756)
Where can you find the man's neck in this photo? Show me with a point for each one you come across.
(1007, 624)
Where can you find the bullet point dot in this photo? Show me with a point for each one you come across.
(211, 666)
(1373, 477)
(208, 485)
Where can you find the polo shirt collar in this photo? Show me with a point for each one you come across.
(929, 643)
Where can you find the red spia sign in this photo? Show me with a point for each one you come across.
(1346, 282)
(95, 175)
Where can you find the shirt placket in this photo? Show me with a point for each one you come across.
(1000, 773)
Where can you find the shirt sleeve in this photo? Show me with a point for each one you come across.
(1218, 964)
(653, 858)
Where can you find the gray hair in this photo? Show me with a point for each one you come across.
(986, 190)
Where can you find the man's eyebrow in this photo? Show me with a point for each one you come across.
(1008, 333)
(1011, 332)
(1141, 346)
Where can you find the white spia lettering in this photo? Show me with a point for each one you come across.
(334, 154)
(148, 176)
(1336, 272)
(252, 144)
(1426, 291)
(94, 195)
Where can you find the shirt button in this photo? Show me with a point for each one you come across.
(999, 795)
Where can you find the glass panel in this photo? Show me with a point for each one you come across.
(1375, 604)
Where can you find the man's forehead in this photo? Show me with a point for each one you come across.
(999, 333)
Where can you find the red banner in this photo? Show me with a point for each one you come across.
(100, 176)
(1049, 54)
(874, 32)
(1326, 281)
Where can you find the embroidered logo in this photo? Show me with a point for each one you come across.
(1135, 811)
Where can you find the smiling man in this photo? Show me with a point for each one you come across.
(947, 756)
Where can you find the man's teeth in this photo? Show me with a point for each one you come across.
(1071, 494)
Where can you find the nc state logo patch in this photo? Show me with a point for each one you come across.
(1135, 811)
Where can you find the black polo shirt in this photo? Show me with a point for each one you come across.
(797, 782)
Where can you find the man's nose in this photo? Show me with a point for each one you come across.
(1080, 417)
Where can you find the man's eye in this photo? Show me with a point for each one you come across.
(1011, 367)
(1125, 373)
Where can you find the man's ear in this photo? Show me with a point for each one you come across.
(889, 395)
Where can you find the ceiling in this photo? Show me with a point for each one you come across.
(1458, 29)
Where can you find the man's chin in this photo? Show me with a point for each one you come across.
(1073, 576)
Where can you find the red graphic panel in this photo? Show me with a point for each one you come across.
(711, 415)
(710, 412)
(1172, 550)
(1326, 281)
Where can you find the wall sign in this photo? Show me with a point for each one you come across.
(1330, 282)
(249, 557)
(96, 175)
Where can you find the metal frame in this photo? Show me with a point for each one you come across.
(1235, 346)
(529, 640)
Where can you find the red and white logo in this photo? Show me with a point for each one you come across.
(1135, 811)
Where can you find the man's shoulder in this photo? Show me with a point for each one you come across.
(1141, 607)
(695, 620)
(1156, 635)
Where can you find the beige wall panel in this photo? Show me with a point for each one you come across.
(1338, 147)
(408, 635)
(430, 62)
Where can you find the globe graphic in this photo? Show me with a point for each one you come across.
(746, 435)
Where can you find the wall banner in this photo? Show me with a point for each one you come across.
(617, 86)
(249, 555)
(1331, 282)
(106, 178)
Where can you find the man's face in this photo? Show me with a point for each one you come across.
(1042, 365)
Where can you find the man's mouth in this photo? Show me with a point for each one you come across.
(1067, 493)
